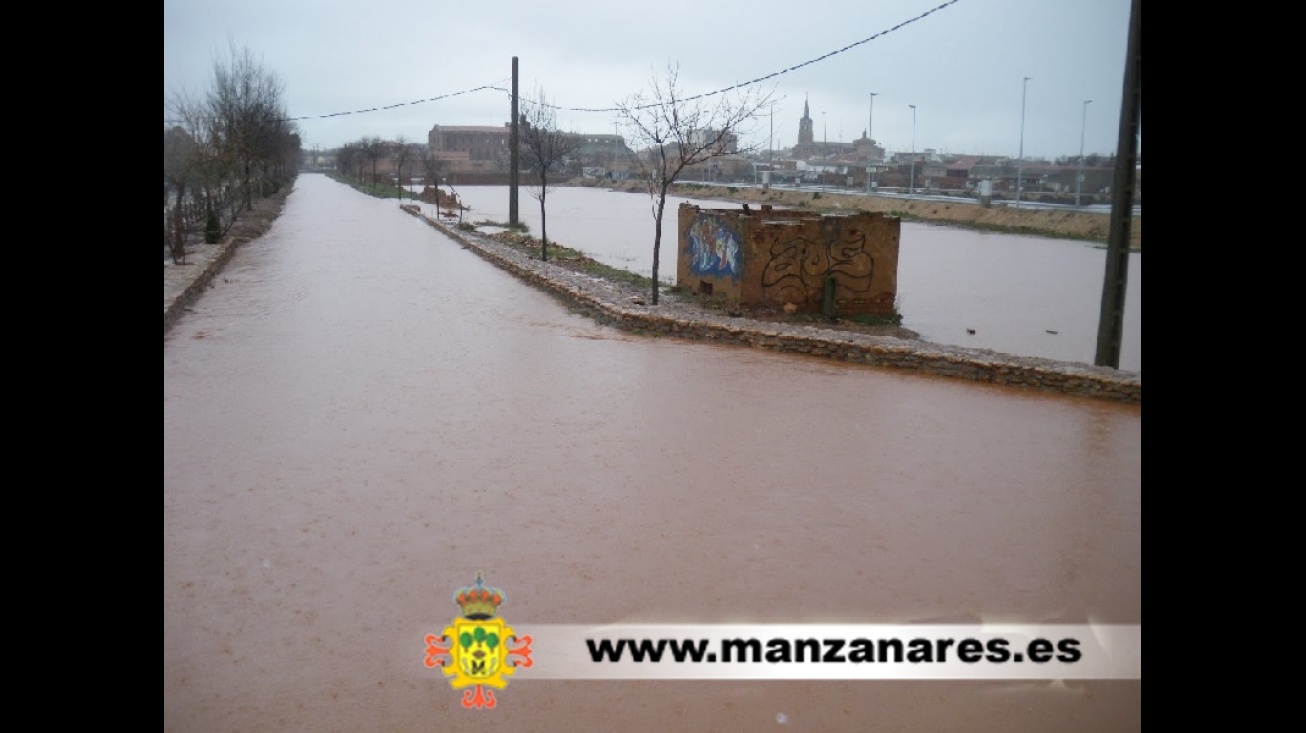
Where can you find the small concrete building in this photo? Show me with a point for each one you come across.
(784, 258)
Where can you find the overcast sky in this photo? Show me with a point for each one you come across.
(962, 66)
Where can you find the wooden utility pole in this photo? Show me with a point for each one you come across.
(512, 152)
(1110, 324)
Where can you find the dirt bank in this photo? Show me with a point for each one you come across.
(998, 217)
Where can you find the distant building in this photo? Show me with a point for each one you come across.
(471, 147)
(808, 147)
(729, 143)
(486, 148)
(804, 132)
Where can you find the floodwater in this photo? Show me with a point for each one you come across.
(1020, 294)
(361, 415)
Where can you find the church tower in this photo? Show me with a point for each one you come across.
(805, 127)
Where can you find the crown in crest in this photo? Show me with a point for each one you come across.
(478, 602)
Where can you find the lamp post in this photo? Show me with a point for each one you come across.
(770, 150)
(825, 145)
(911, 183)
(1079, 176)
(1020, 161)
(870, 150)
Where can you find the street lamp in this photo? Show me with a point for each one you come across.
(1020, 162)
(911, 183)
(825, 145)
(1079, 178)
(770, 152)
(870, 149)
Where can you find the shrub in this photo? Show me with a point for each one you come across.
(212, 229)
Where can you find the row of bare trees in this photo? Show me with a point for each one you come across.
(359, 159)
(224, 148)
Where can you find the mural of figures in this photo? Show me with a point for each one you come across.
(713, 248)
(798, 267)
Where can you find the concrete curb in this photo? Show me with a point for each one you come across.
(923, 357)
(176, 305)
(181, 288)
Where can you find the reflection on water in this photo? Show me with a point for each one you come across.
(1023, 295)
(361, 415)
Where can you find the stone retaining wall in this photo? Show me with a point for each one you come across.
(973, 364)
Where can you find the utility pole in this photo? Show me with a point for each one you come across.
(1079, 174)
(512, 152)
(911, 183)
(1110, 325)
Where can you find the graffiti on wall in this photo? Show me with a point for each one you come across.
(798, 267)
(713, 248)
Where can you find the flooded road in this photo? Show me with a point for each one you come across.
(361, 415)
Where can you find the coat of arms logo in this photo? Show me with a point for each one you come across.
(479, 651)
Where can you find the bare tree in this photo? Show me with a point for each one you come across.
(433, 169)
(675, 132)
(545, 147)
(184, 150)
(444, 203)
(347, 158)
(358, 155)
(245, 104)
(374, 150)
(403, 156)
(180, 160)
(430, 165)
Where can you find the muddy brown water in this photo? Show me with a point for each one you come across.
(361, 414)
(1013, 293)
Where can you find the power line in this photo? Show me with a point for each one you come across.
(401, 104)
(772, 75)
(704, 95)
(378, 109)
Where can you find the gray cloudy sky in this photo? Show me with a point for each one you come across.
(962, 65)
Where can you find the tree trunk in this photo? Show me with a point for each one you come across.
(544, 228)
(179, 237)
(657, 239)
(179, 224)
